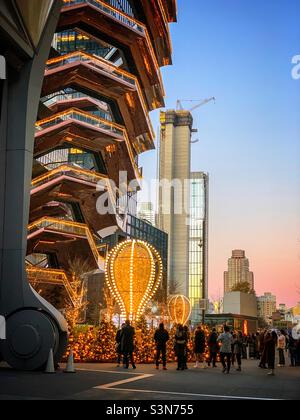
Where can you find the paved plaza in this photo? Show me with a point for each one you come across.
(106, 382)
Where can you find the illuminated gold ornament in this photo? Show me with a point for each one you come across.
(180, 309)
(133, 272)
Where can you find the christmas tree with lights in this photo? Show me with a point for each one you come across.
(145, 345)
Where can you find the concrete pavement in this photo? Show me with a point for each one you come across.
(106, 382)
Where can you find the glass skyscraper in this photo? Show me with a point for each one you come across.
(198, 246)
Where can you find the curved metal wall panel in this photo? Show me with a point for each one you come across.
(34, 14)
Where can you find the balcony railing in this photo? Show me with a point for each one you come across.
(102, 65)
(112, 12)
(70, 171)
(64, 226)
(87, 118)
(122, 18)
(81, 116)
(55, 277)
(71, 95)
(93, 61)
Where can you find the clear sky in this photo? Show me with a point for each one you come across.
(240, 51)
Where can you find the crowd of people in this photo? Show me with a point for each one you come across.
(229, 348)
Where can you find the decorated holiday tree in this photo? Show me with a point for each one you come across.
(82, 342)
(145, 345)
(105, 349)
(171, 345)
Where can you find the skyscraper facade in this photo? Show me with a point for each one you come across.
(198, 248)
(266, 305)
(174, 194)
(146, 212)
(238, 271)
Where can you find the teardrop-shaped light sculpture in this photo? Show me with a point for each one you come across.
(180, 309)
(133, 272)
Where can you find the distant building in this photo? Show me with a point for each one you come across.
(282, 308)
(240, 304)
(146, 212)
(293, 314)
(238, 271)
(266, 305)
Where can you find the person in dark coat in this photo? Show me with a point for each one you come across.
(257, 354)
(213, 346)
(186, 350)
(292, 350)
(238, 349)
(298, 352)
(262, 350)
(270, 350)
(118, 345)
(180, 345)
(199, 346)
(127, 344)
(251, 344)
(161, 337)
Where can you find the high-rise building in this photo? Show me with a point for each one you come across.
(198, 248)
(174, 194)
(266, 305)
(238, 271)
(146, 212)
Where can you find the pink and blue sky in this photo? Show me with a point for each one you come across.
(241, 51)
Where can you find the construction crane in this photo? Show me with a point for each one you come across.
(179, 106)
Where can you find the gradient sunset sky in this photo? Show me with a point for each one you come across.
(241, 51)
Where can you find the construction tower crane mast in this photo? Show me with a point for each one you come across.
(179, 106)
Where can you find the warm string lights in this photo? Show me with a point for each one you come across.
(102, 64)
(180, 309)
(91, 175)
(133, 23)
(66, 227)
(133, 274)
(97, 344)
(131, 279)
(84, 115)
